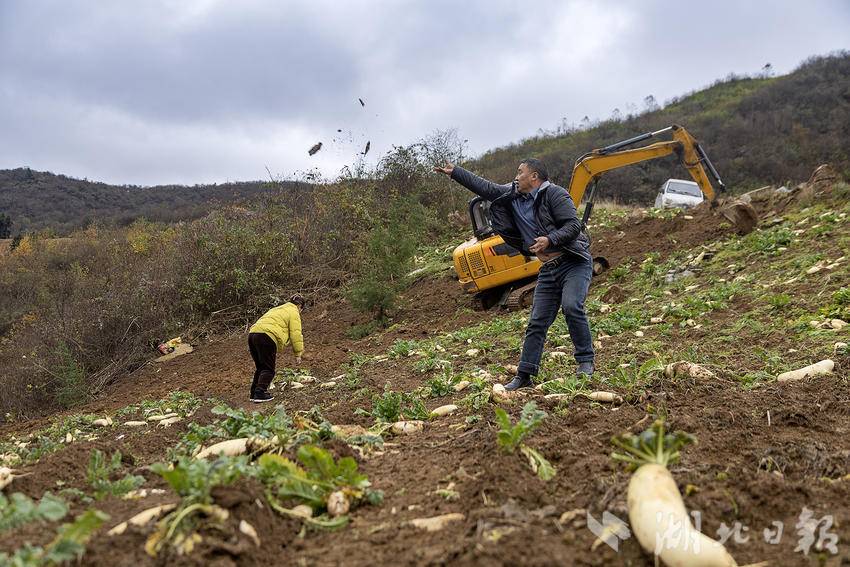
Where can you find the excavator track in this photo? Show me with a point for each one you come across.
(519, 298)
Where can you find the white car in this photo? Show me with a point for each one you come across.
(678, 193)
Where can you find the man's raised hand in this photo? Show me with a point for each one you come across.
(447, 169)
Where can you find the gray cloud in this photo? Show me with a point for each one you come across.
(198, 91)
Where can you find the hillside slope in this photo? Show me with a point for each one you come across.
(740, 306)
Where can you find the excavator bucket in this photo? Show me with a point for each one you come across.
(742, 216)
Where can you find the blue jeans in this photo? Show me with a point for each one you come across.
(563, 284)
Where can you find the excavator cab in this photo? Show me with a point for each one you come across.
(479, 214)
(487, 266)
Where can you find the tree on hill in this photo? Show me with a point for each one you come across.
(5, 226)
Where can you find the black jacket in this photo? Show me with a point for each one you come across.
(554, 212)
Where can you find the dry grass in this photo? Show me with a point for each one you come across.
(614, 205)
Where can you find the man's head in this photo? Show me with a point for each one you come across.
(530, 174)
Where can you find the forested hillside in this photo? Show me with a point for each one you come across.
(35, 200)
(757, 131)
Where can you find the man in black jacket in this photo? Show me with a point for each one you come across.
(539, 218)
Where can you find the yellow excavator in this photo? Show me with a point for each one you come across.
(498, 273)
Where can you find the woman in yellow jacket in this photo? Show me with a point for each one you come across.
(279, 327)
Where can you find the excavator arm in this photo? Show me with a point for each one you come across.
(589, 167)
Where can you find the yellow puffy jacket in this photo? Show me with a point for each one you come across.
(283, 324)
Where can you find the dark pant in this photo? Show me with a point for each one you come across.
(563, 284)
(263, 350)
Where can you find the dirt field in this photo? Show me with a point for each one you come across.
(764, 453)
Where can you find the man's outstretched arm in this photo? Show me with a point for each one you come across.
(478, 185)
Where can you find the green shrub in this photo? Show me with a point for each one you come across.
(235, 260)
(72, 387)
(387, 258)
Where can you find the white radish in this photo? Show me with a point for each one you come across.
(349, 430)
(608, 397)
(7, 475)
(142, 518)
(303, 511)
(103, 422)
(229, 448)
(338, 504)
(689, 369)
(657, 514)
(444, 410)
(167, 422)
(557, 396)
(135, 423)
(249, 531)
(407, 427)
(822, 367)
(142, 493)
(462, 385)
(145, 516)
(500, 394)
(656, 509)
(436, 523)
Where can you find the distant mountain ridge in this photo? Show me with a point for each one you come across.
(37, 200)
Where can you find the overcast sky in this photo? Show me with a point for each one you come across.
(195, 91)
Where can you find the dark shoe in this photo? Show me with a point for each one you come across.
(260, 397)
(585, 368)
(519, 382)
